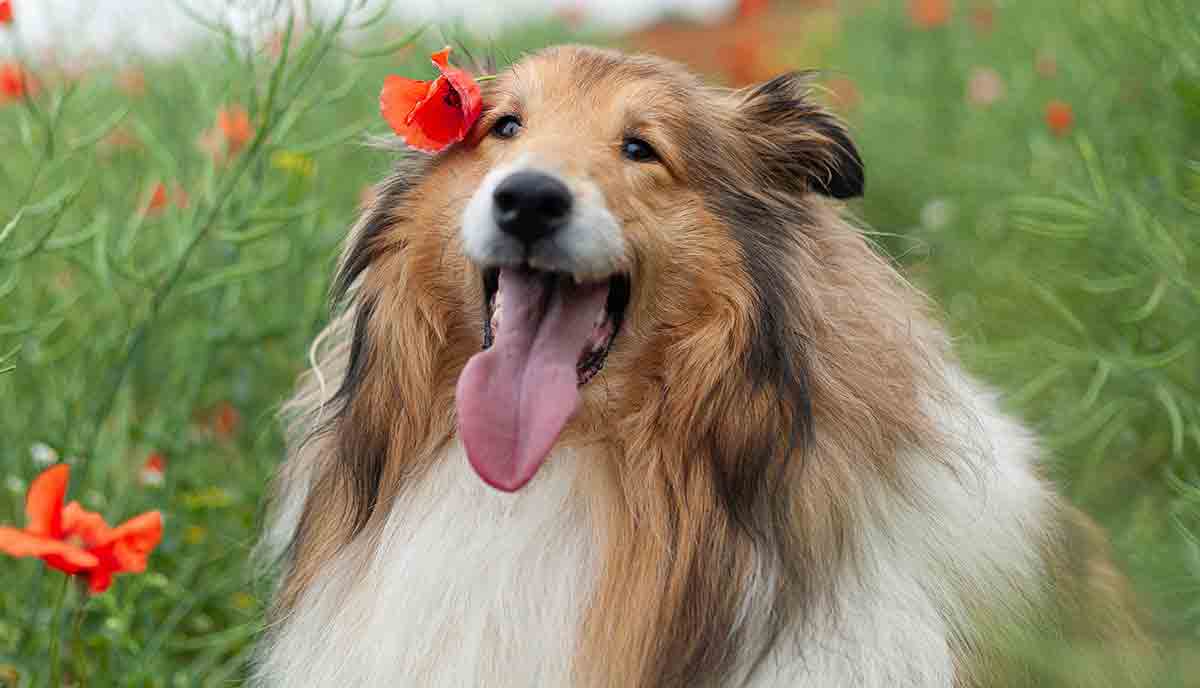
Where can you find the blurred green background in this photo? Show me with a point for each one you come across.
(1034, 165)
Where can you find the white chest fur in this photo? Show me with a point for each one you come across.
(468, 587)
(472, 587)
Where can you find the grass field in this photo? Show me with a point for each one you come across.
(1034, 165)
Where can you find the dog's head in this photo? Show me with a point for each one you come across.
(610, 215)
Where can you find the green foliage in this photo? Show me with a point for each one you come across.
(1067, 265)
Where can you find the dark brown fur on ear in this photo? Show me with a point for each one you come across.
(799, 139)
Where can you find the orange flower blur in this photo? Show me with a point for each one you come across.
(229, 135)
(226, 420)
(1060, 117)
(234, 124)
(431, 115)
(76, 541)
(6, 13)
(154, 471)
(930, 14)
(157, 200)
(15, 82)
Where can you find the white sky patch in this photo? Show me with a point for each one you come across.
(129, 28)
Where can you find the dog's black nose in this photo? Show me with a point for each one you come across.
(530, 205)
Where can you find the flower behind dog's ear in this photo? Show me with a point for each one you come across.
(431, 115)
(799, 140)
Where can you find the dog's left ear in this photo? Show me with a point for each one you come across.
(798, 139)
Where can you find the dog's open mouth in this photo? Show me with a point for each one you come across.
(607, 321)
(545, 335)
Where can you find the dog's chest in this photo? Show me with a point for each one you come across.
(467, 587)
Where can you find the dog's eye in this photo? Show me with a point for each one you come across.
(506, 127)
(638, 150)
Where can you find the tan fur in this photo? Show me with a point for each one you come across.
(685, 523)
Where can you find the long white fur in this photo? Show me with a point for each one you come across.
(471, 587)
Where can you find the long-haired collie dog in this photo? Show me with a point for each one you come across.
(616, 397)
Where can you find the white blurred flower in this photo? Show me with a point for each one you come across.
(43, 454)
(14, 484)
(937, 213)
(984, 87)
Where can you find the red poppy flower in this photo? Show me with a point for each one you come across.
(76, 541)
(225, 420)
(1060, 117)
(228, 136)
(15, 82)
(154, 470)
(235, 127)
(930, 14)
(431, 115)
(6, 12)
(157, 200)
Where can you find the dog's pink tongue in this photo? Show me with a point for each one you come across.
(514, 398)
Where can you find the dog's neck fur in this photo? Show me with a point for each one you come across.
(465, 586)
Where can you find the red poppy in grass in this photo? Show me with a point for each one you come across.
(226, 420)
(77, 541)
(431, 115)
(157, 200)
(6, 12)
(1060, 117)
(235, 127)
(15, 82)
(154, 470)
(930, 14)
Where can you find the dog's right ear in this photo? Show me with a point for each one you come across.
(797, 139)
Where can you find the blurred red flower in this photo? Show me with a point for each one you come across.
(76, 541)
(225, 420)
(1060, 117)
(157, 200)
(154, 470)
(228, 136)
(235, 126)
(6, 13)
(431, 115)
(15, 82)
(930, 14)
(159, 197)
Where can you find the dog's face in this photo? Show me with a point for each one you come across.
(612, 215)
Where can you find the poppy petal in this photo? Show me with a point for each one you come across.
(400, 104)
(99, 580)
(86, 525)
(44, 502)
(18, 543)
(470, 98)
(134, 540)
(399, 97)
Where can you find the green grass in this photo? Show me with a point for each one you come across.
(1066, 266)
